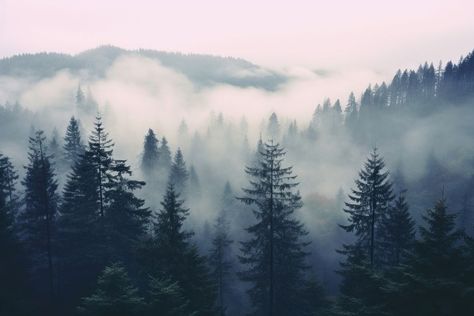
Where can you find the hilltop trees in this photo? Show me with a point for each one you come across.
(274, 256)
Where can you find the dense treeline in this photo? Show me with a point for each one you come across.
(90, 244)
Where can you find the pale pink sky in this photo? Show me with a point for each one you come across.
(365, 33)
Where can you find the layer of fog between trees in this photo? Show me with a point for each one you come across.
(218, 128)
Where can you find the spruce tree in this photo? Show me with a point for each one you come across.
(220, 261)
(100, 154)
(73, 147)
(368, 204)
(101, 217)
(40, 212)
(431, 282)
(179, 174)
(150, 157)
(274, 256)
(171, 255)
(166, 298)
(126, 217)
(397, 232)
(12, 262)
(115, 295)
(164, 153)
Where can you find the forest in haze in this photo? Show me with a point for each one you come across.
(140, 183)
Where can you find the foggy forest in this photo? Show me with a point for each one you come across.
(148, 182)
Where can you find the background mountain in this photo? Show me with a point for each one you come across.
(202, 70)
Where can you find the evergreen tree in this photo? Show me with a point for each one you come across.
(397, 232)
(115, 295)
(100, 155)
(101, 218)
(431, 281)
(219, 260)
(167, 299)
(351, 115)
(164, 153)
(274, 256)
(126, 217)
(313, 299)
(73, 146)
(273, 128)
(149, 163)
(39, 215)
(368, 205)
(178, 173)
(171, 255)
(361, 287)
(12, 261)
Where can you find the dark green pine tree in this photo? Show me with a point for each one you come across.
(101, 218)
(313, 299)
(126, 217)
(431, 282)
(115, 295)
(13, 289)
(274, 256)
(166, 298)
(369, 202)
(100, 155)
(150, 157)
(171, 255)
(164, 163)
(80, 232)
(220, 261)
(73, 147)
(397, 232)
(39, 216)
(179, 174)
(361, 287)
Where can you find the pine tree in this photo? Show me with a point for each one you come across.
(126, 217)
(164, 153)
(368, 205)
(397, 232)
(12, 261)
(219, 260)
(150, 157)
(73, 146)
(39, 216)
(313, 298)
(431, 280)
(100, 154)
(171, 255)
(178, 173)
(115, 295)
(101, 218)
(361, 287)
(351, 115)
(273, 128)
(167, 299)
(274, 256)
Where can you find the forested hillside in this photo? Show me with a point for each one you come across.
(364, 208)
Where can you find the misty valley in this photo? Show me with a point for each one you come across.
(150, 183)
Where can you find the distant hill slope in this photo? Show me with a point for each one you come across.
(203, 70)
